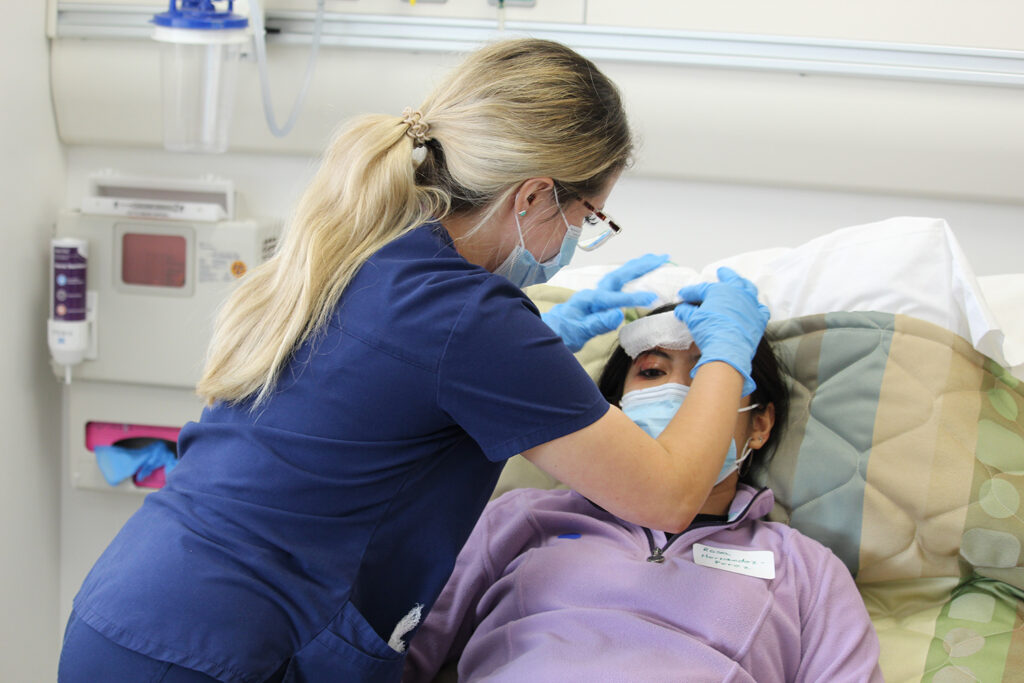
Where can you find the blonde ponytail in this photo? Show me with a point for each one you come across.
(514, 110)
(362, 197)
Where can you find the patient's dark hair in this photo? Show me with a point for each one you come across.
(771, 388)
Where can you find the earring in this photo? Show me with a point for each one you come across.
(522, 213)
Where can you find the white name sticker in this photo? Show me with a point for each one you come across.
(759, 563)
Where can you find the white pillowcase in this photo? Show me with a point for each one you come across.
(903, 265)
(1005, 297)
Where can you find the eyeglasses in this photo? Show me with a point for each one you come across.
(597, 226)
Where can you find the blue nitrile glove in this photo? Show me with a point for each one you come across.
(726, 322)
(117, 463)
(591, 312)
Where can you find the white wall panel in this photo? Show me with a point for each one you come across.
(722, 125)
(966, 23)
(543, 10)
(826, 131)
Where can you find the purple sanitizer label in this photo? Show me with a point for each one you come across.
(69, 256)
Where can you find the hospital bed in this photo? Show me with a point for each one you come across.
(904, 450)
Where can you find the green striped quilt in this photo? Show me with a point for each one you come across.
(904, 454)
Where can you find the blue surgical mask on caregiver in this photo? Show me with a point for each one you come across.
(522, 267)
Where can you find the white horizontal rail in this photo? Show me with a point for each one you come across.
(655, 46)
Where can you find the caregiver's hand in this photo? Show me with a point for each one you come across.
(726, 322)
(591, 312)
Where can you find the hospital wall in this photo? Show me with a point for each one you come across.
(31, 188)
(729, 160)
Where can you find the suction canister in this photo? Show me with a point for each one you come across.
(67, 326)
(201, 47)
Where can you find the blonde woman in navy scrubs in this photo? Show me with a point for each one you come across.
(366, 385)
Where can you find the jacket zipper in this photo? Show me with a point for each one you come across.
(657, 555)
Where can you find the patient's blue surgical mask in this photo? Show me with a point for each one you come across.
(732, 463)
(652, 408)
(522, 268)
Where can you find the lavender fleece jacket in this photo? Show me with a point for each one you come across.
(550, 587)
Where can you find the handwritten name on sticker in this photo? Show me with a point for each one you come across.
(759, 563)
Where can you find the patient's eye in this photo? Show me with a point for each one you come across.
(651, 366)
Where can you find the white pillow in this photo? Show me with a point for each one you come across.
(1005, 296)
(905, 265)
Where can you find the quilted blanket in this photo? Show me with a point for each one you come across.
(904, 454)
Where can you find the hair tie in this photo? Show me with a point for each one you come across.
(417, 126)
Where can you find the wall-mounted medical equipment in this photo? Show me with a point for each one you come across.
(125, 418)
(143, 453)
(69, 326)
(163, 255)
(201, 47)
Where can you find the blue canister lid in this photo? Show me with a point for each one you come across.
(200, 14)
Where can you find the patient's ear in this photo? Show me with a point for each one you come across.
(761, 426)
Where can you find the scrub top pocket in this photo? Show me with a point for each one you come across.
(348, 649)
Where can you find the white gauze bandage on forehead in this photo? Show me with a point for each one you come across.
(662, 329)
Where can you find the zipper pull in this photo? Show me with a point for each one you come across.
(656, 556)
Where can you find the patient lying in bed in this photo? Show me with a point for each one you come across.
(551, 587)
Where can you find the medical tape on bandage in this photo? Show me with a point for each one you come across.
(662, 329)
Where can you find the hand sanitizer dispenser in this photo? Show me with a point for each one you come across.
(68, 327)
(200, 51)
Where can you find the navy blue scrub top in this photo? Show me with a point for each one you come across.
(306, 530)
